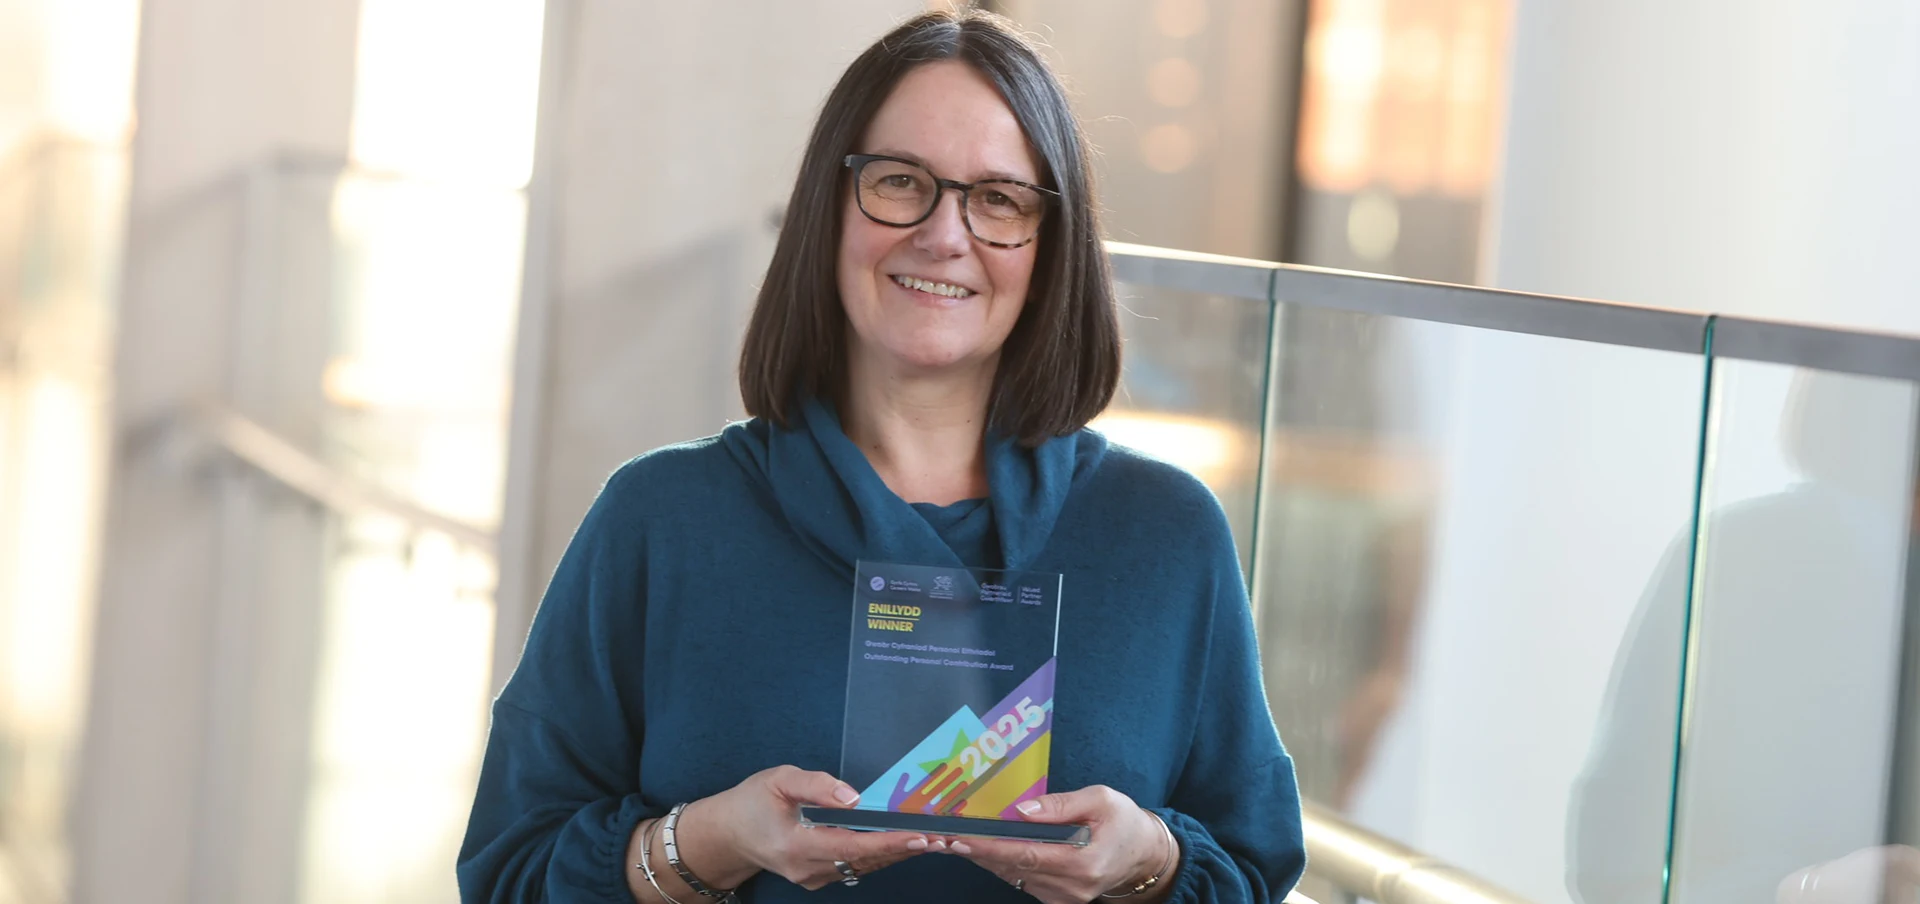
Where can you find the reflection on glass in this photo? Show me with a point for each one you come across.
(1626, 787)
(1805, 549)
(1455, 529)
(1191, 393)
(1347, 540)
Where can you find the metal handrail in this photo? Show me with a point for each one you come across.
(1609, 322)
(1853, 351)
(1385, 871)
(292, 467)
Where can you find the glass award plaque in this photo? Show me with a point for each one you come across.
(949, 720)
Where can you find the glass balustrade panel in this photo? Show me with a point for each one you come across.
(1470, 582)
(1799, 765)
(1192, 390)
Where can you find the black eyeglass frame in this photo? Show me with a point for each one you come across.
(857, 162)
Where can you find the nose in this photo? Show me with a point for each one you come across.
(943, 235)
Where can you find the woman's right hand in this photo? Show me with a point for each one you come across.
(758, 823)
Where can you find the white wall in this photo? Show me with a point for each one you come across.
(1744, 156)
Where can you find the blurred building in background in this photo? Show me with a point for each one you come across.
(322, 321)
(66, 94)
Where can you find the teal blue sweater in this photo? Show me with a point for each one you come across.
(696, 629)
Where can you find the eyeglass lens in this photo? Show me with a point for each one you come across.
(902, 194)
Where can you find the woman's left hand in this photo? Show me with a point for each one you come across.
(1125, 846)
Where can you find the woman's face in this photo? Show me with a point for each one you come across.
(947, 117)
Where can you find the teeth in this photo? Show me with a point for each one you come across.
(914, 282)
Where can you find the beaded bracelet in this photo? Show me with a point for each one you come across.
(1173, 851)
(686, 874)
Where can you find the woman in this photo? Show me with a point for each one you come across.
(921, 363)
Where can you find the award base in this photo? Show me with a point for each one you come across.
(890, 821)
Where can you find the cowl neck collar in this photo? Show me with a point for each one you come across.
(831, 496)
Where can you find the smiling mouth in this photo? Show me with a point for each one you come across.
(932, 288)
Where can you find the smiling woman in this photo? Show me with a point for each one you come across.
(921, 372)
(976, 104)
(918, 297)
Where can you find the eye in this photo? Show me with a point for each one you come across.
(1003, 202)
(897, 180)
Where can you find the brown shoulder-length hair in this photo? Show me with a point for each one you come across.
(1061, 363)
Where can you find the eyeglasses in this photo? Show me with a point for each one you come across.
(1000, 212)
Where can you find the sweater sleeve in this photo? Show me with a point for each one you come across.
(558, 796)
(1235, 808)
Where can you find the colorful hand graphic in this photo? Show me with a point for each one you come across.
(938, 783)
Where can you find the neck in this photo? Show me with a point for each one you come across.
(923, 434)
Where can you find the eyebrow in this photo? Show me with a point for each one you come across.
(989, 174)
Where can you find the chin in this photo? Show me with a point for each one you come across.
(932, 361)
(937, 357)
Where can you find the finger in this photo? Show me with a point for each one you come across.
(864, 852)
(1088, 805)
(1023, 883)
(872, 850)
(1904, 862)
(1047, 888)
(870, 865)
(1004, 872)
(1011, 859)
(829, 845)
(818, 788)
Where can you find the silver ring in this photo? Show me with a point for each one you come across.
(1020, 883)
(852, 876)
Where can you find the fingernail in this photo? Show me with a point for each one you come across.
(917, 844)
(939, 845)
(1028, 807)
(960, 847)
(845, 794)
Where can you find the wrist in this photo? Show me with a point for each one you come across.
(1161, 858)
(708, 846)
(1154, 865)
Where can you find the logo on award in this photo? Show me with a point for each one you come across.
(878, 583)
(943, 583)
